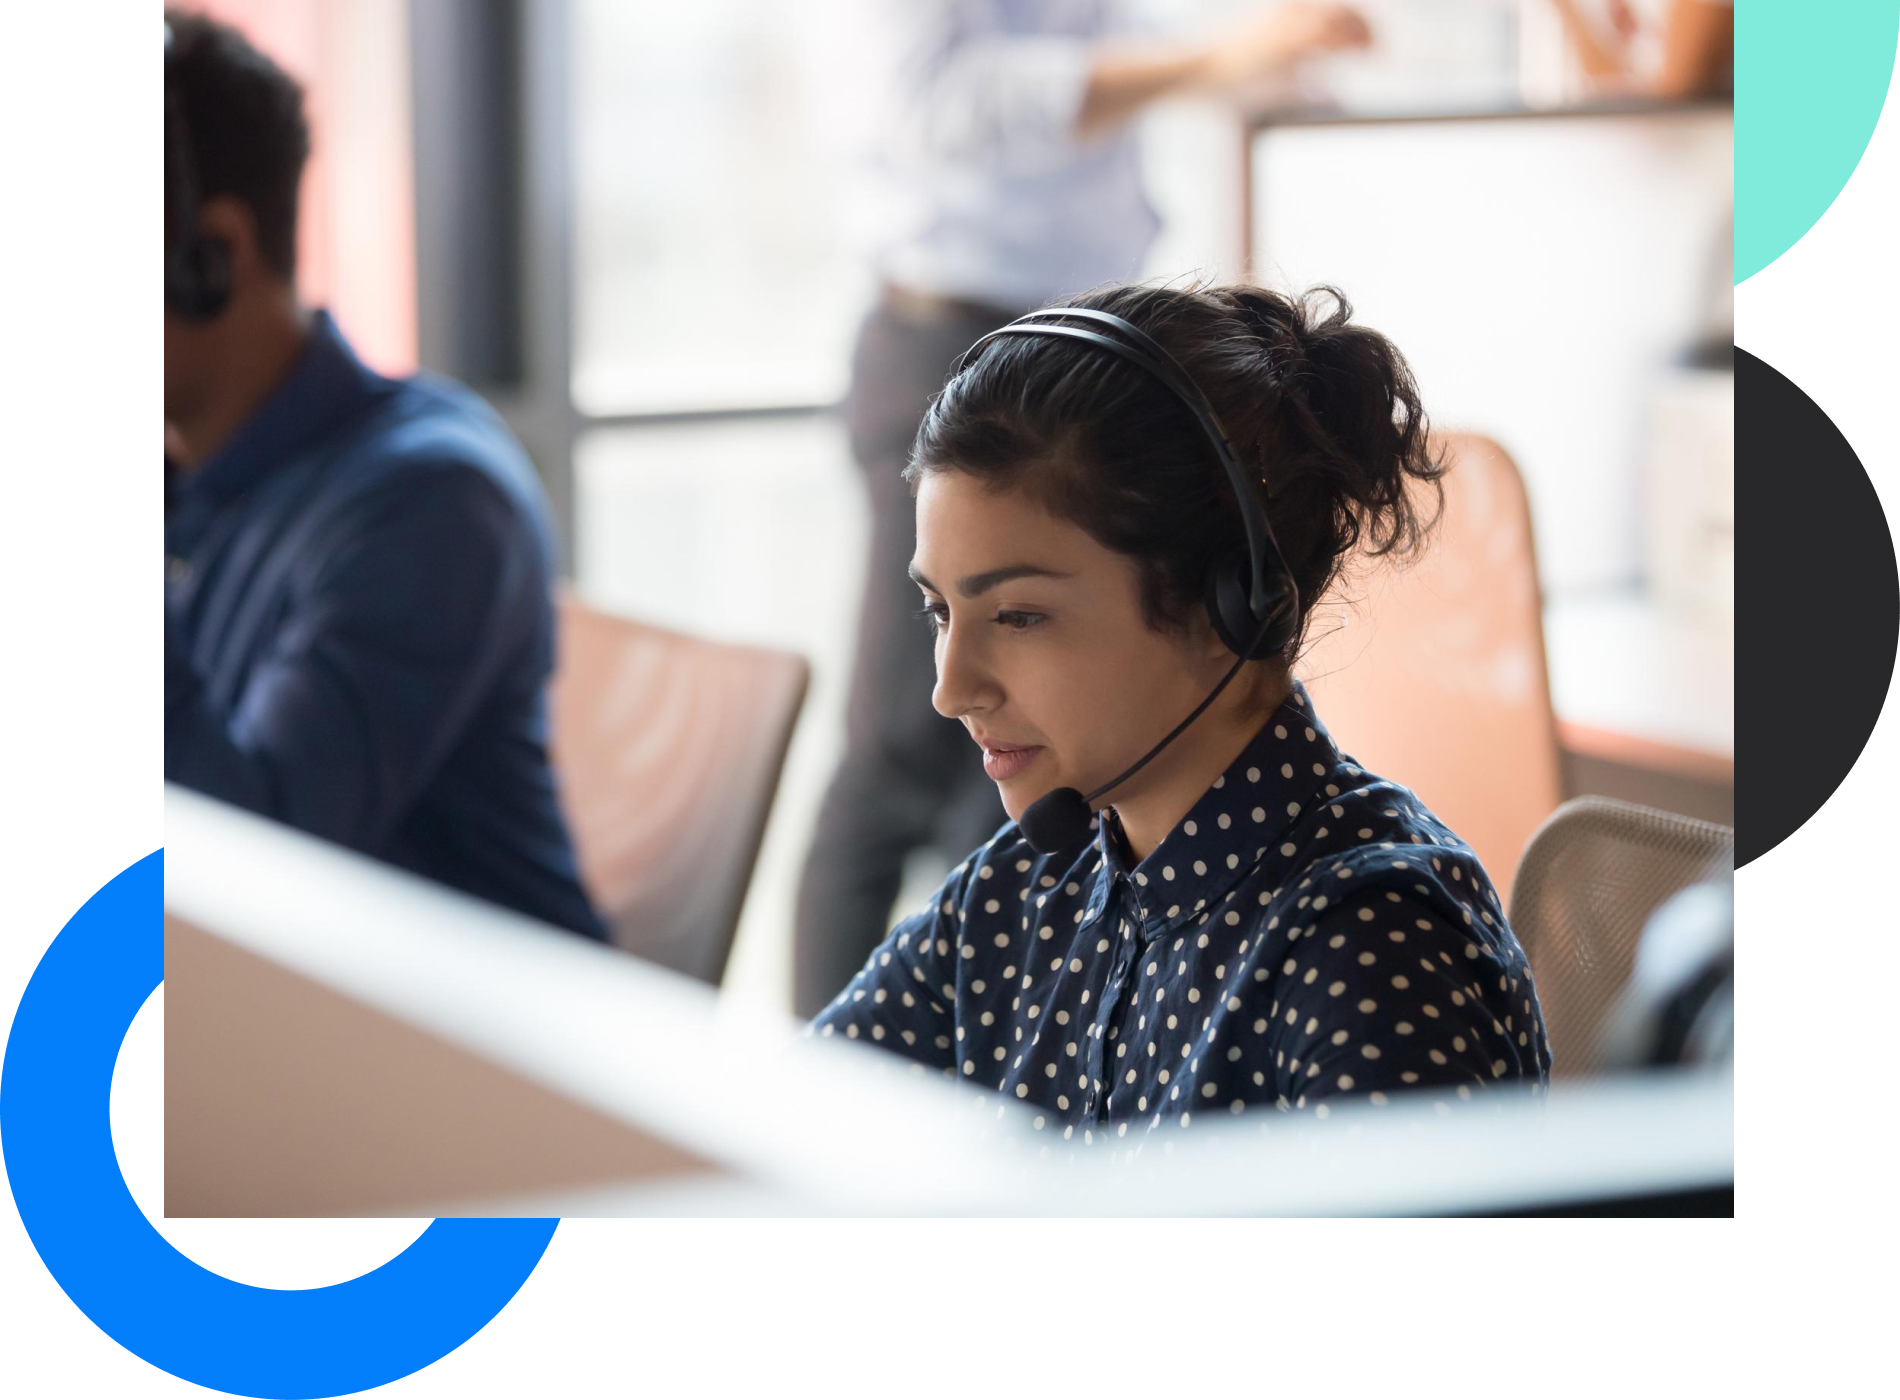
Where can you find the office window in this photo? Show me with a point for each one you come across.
(708, 268)
(749, 530)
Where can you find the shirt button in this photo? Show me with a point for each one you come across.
(176, 570)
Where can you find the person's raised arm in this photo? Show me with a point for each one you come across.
(1126, 76)
(1020, 101)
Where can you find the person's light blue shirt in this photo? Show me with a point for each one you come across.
(973, 183)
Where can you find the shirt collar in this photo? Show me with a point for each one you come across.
(1281, 773)
(325, 389)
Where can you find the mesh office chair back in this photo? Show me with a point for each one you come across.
(1589, 881)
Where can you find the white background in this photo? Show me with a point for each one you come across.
(1791, 1297)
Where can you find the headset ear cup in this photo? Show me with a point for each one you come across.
(207, 268)
(1226, 599)
(1233, 616)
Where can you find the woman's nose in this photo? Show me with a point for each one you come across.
(963, 685)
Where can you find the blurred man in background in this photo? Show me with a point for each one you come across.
(1694, 43)
(1003, 176)
(358, 627)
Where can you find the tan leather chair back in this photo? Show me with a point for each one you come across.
(1433, 674)
(668, 750)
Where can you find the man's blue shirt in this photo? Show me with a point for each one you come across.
(359, 632)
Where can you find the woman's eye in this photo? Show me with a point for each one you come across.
(936, 616)
(1018, 621)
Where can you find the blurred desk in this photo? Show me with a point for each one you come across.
(343, 1038)
(1641, 696)
(1470, 108)
(1258, 124)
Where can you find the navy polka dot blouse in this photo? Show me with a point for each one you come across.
(1307, 931)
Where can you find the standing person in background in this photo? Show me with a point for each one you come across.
(358, 626)
(1695, 41)
(1004, 176)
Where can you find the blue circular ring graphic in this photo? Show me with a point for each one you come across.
(55, 1124)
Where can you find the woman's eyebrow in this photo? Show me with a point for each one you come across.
(976, 585)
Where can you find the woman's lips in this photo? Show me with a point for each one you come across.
(1003, 762)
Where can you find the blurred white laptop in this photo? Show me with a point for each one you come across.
(344, 1039)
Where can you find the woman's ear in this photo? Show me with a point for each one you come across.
(1202, 641)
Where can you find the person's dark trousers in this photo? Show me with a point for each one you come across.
(909, 778)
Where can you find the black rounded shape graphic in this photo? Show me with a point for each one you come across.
(1817, 603)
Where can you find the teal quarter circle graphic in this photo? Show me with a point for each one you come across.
(55, 1090)
(1810, 80)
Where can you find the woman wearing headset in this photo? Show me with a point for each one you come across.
(1199, 903)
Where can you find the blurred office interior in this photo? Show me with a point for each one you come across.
(630, 227)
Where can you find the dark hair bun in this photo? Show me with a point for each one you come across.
(1351, 434)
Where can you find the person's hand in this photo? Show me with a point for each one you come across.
(1271, 42)
(1623, 19)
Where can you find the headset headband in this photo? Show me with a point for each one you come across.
(1143, 351)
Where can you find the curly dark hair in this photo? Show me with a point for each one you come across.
(1325, 413)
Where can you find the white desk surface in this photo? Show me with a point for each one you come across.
(807, 1126)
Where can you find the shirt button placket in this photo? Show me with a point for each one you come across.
(1092, 1048)
(1110, 910)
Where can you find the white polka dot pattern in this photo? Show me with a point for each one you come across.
(1351, 946)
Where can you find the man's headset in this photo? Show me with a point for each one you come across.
(1250, 594)
(197, 268)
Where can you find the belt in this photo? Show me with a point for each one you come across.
(932, 308)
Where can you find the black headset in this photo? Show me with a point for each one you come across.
(197, 268)
(1250, 594)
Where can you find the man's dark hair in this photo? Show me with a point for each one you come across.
(244, 128)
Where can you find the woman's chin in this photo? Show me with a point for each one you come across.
(1020, 794)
